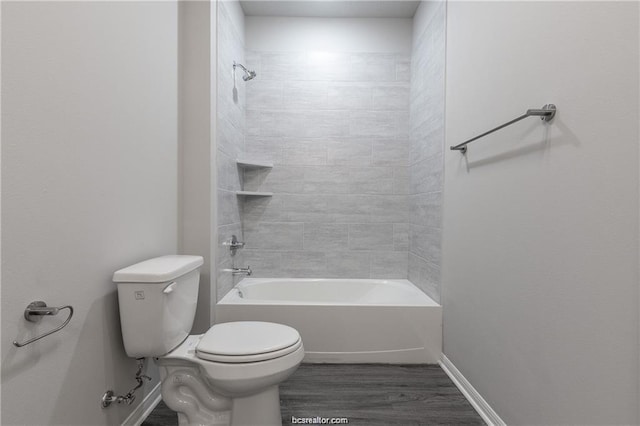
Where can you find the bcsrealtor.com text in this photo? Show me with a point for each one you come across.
(319, 420)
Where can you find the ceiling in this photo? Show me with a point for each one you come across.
(331, 8)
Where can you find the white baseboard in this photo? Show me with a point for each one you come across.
(475, 399)
(145, 408)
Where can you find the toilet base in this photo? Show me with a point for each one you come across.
(185, 392)
(261, 409)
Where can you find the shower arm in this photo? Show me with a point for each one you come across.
(248, 74)
(241, 66)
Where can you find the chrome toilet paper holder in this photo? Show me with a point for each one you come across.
(34, 313)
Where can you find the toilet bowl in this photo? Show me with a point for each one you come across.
(227, 376)
(234, 380)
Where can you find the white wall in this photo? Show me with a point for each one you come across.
(197, 152)
(89, 185)
(335, 35)
(540, 243)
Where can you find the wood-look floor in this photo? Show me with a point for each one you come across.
(377, 395)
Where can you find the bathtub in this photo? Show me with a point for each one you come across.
(344, 320)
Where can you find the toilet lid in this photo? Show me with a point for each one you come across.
(247, 341)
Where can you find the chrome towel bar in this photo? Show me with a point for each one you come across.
(546, 113)
(34, 313)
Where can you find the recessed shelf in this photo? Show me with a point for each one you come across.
(254, 194)
(253, 164)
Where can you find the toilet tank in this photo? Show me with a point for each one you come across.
(157, 299)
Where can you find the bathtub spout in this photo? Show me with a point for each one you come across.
(239, 271)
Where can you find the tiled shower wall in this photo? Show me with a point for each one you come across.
(426, 150)
(336, 127)
(230, 145)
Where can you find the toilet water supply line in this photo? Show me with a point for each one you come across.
(110, 397)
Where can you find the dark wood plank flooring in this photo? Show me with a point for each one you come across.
(376, 395)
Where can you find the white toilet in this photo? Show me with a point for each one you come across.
(227, 376)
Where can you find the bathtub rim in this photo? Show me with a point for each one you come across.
(232, 297)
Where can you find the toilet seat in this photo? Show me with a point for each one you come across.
(247, 341)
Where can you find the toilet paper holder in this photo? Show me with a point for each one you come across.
(34, 313)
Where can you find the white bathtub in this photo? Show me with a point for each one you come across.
(344, 320)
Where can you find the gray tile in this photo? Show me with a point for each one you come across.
(342, 139)
(374, 67)
(264, 263)
(403, 121)
(264, 209)
(374, 236)
(326, 180)
(325, 236)
(305, 95)
(426, 175)
(265, 94)
(270, 123)
(315, 123)
(389, 208)
(426, 209)
(286, 179)
(389, 264)
(283, 66)
(264, 148)
(224, 279)
(274, 236)
(426, 144)
(349, 208)
(349, 96)
(401, 180)
(301, 152)
(425, 276)
(228, 108)
(425, 242)
(228, 207)
(305, 208)
(228, 173)
(252, 59)
(229, 138)
(328, 66)
(371, 180)
(304, 264)
(252, 122)
(223, 254)
(403, 69)
(390, 152)
(391, 97)
(401, 236)
(349, 151)
(345, 264)
(373, 123)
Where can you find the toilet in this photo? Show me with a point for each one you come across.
(227, 376)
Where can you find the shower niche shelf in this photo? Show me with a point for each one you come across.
(253, 164)
(254, 194)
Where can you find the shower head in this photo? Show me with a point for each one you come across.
(248, 75)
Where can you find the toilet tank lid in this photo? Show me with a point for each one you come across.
(158, 270)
